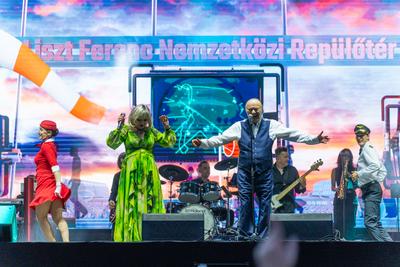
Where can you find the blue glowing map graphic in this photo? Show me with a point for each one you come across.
(200, 107)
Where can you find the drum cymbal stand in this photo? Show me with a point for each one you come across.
(172, 173)
(228, 208)
(228, 226)
(170, 180)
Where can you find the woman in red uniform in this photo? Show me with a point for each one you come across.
(51, 194)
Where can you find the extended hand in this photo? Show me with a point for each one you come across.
(323, 138)
(196, 142)
(165, 122)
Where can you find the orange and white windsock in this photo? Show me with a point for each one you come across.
(18, 57)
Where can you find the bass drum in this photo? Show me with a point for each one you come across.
(209, 220)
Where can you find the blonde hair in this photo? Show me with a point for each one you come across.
(140, 111)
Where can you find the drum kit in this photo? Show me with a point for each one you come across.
(202, 198)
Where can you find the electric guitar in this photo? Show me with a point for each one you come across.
(275, 200)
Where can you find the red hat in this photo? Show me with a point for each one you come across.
(49, 125)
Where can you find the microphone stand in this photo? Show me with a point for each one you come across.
(170, 194)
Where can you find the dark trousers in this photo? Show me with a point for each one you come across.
(263, 185)
(79, 209)
(112, 221)
(372, 196)
(345, 214)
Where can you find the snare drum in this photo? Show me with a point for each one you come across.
(190, 192)
(210, 191)
(209, 221)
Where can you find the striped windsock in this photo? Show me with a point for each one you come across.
(18, 57)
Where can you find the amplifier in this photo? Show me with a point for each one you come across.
(184, 227)
(8, 223)
(306, 226)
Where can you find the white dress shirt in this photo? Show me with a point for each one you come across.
(369, 166)
(276, 130)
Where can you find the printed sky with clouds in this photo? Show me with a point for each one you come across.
(332, 99)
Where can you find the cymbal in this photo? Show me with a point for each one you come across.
(226, 164)
(173, 173)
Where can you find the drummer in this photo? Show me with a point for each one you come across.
(203, 170)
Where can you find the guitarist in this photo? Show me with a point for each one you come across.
(283, 175)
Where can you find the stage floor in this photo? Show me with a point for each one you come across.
(213, 253)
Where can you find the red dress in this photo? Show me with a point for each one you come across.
(45, 159)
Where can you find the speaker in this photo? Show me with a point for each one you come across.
(8, 224)
(306, 226)
(184, 227)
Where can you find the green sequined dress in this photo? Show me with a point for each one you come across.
(139, 188)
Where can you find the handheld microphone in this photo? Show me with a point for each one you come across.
(121, 121)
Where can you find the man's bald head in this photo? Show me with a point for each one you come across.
(253, 101)
(254, 109)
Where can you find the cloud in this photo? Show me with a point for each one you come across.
(346, 17)
(104, 18)
(219, 18)
(61, 7)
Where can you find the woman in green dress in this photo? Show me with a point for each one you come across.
(139, 188)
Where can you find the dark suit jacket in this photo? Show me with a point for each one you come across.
(114, 187)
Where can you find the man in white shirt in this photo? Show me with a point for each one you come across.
(370, 173)
(256, 136)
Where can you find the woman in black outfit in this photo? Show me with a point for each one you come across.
(345, 207)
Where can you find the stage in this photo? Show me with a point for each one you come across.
(239, 74)
(312, 253)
